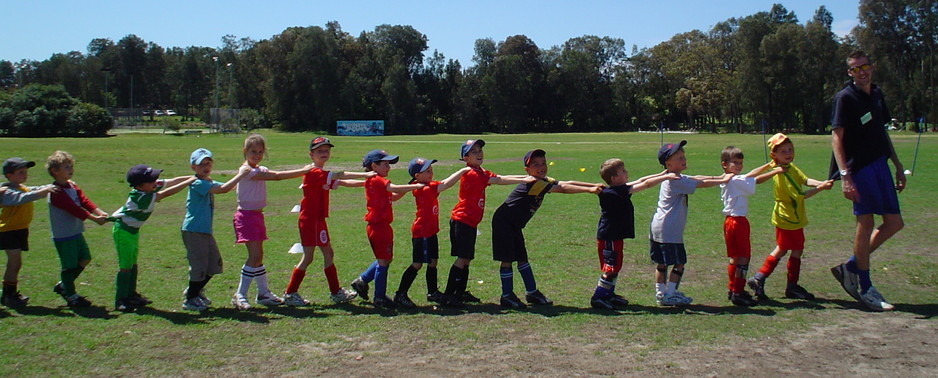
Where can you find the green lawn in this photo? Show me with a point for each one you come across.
(48, 338)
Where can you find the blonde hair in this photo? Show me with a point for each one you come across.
(610, 168)
(58, 159)
(253, 140)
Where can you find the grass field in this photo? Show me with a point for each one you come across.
(47, 338)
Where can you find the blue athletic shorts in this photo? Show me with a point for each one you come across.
(877, 190)
(667, 253)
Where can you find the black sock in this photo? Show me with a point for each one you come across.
(431, 280)
(464, 281)
(195, 288)
(452, 283)
(407, 279)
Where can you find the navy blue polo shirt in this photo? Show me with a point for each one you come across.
(863, 117)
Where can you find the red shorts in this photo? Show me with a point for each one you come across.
(610, 255)
(789, 240)
(381, 237)
(314, 232)
(736, 236)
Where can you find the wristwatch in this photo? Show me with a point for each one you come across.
(844, 172)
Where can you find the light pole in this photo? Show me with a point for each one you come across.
(230, 86)
(215, 111)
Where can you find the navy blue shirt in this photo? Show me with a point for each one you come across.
(863, 118)
(524, 201)
(617, 221)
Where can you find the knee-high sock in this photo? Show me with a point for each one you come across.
(767, 267)
(247, 275)
(68, 277)
(432, 285)
(381, 281)
(123, 284)
(369, 274)
(296, 278)
(794, 269)
(133, 280)
(332, 277)
(508, 277)
(454, 280)
(527, 275)
(407, 279)
(260, 277)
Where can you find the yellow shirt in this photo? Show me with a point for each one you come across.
(16, 208)
(789, 213)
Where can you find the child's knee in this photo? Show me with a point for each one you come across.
(416, 266)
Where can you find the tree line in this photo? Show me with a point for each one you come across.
(762, 71)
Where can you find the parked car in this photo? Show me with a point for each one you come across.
(158, 112)
(170, 112)
(145, 112)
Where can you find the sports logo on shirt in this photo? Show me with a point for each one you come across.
(436, 210)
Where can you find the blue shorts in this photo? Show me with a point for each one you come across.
(667, 253)
(876, 188)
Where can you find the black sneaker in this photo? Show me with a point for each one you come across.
(14, 300)
(76, 301)
(138, 300)
(511, 301)
(467, 297)
(59, 289)
(794, 291)
(538, 299)
(361, 287)
(757, 286)
(618, 300)
(742, 299)
(402, 300)
(602, 303)
(123, 305)
(384, 302)
(435, 296)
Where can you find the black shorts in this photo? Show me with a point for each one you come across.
(462, 239)
(507, 242)
(667, 253)
(426, 249)
(16, 239)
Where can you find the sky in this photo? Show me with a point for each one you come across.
(35, 30)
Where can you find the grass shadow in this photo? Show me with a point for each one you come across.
(925, 311)
(92, 312)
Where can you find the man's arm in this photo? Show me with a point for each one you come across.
(846, 181)
(900, 173)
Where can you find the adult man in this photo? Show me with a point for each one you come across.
(861, 146)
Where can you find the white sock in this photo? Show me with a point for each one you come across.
(659, 288)
(671, 287)
(260, 276)
(247, 275)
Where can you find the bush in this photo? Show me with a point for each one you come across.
(88, 120)
(48, 110)
(171, 124)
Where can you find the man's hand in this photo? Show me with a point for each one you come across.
(850, 191)
(900, 180)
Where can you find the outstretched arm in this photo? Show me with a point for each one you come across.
(173, 189)
(572, 187)
(243, 170)
(352, 175)
(351, 183)
(452, 179)
(175, 180)
(650, 181)
(403, 188)
(708, 181)
(510, 179)
(762, 175)
(282, 175)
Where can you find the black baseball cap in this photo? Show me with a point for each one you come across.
(142, 173)
(533, 154)
(374, 156)
(465, 147)
(418, 165)
(12, 164)
(669, 149)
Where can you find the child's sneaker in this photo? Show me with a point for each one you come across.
(59, 289)
(435, 296)
(675, 299)
(361, 287)
(123, 305)
(743, 299)
(794, 291)
(511, 301)
(13, 300)
(402, 300)
(194, 304)
(848, 280)
(757, 286)
(384, 302)
(268, 299)
(137, 299)
(618, 300)
(294, 300)
(538, 299)
(343, 296)
(76, 301)
(875, 301)
(240, 302)
(205, 300)
(467, 297)
(600, 303)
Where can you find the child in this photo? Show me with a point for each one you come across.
(249, 222)
(466, 216)
(314, 209)
(511, 217)
(667, 225)
(147, 191)
(379, 192)
(735, 195)
(426, 226)
(201, 249)
(68, 209)
(789, 218)
(16, 212)
(617, 223)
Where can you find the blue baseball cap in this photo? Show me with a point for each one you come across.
(533, 154)
(464, 149)
(418, 165)
(199, 155)
(374, 156)
(669, 149)
(12, 164)
(142, 173)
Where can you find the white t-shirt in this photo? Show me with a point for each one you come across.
(667, 225)
(252, 194)
(735, 195)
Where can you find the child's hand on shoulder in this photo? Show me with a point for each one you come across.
(596, 189)
(672, 176)
(49, 189)
(244, 168)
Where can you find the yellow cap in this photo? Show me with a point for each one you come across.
(776, 140)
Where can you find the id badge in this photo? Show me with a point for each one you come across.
(866, 118)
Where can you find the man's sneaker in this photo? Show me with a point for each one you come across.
(194, 304)
(59, 289)
(757, 286)
(875, 301)
(848, 280)
(123, 305)
(295, 300)
(618, 300)
(511, 301)
(467, 297)
(384, 302)
(76, 301)
(361, 287)
(743, 299)
(600, 303)
(675, 299)
(138, 300)
(343, 296)
(795, 291)
(14, 300)
(538, 299)
(435, 296)
(268, 299)
(240, 302)
(402, 300)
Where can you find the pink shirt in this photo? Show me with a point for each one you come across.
(252, 194)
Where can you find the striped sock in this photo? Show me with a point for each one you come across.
(260, 277)
(508, 278)
(527, 275)
(247, 275)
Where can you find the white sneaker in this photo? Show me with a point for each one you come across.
(674, 299)
(194, 304)
(659, 296)
(294, 299)
(268, 299)
(875, 301)
(343, 295)
(205, 300)
(681, 294)
(240, 302)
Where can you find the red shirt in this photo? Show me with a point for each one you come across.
(427, 222)
(316, 185)
(378, 200)
(471, 203)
